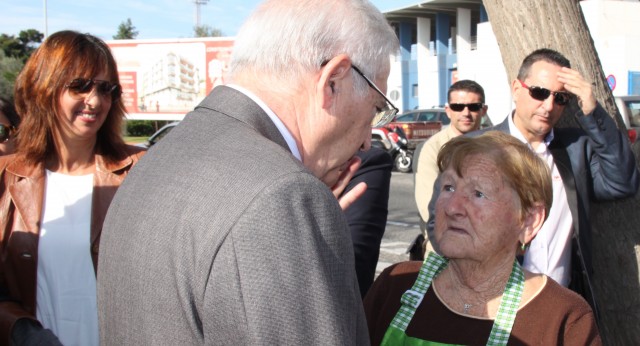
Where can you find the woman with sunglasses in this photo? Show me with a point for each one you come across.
(56, 188)
(9, 121)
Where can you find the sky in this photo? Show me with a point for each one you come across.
(154, 19)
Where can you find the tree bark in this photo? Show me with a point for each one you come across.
(521, 27)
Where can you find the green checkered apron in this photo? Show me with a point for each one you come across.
(411, 299)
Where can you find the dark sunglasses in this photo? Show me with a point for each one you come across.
(5, 132)
(81, 86)
(541, 94)
(459, 107)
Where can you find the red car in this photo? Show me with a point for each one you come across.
(420, 124)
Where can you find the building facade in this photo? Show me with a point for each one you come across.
(443, 41)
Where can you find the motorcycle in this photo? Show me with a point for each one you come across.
(394, 141)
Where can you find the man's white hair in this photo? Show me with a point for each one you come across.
(284, 39)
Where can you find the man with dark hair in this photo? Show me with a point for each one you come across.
(465, 108)
(593, 162)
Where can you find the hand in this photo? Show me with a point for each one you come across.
(27, 333)
(575, 84)
(346, 173)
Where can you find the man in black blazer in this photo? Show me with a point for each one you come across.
(367, 217)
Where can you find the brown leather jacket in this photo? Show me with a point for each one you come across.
(21, 198)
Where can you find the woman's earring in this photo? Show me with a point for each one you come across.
(523, 246)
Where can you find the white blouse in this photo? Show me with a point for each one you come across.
(66, 282)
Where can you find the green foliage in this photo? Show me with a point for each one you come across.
(206, 31)
(126, 30)
(9, 69)
(139, 128)
(21, 47)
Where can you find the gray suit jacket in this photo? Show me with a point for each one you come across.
(220, 236)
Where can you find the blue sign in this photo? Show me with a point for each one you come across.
(611, 80)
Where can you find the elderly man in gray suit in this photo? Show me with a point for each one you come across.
(228, 232)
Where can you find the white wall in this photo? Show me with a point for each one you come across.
(428, 94)
(614, 28)
(485, 66)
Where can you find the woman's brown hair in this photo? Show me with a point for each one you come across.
(527, 174)
(62, 57)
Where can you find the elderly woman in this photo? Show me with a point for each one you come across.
(9, 121)
(495, 196)
(56, 188)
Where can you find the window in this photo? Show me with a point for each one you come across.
(406, 118)
(634, 113)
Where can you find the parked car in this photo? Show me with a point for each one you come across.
(154, 138)
(420, 124)
(629, 107)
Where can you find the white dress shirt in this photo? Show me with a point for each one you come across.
(279, 124)
(550, 251)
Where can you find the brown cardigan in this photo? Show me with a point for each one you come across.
(556, 316)
(21, 198)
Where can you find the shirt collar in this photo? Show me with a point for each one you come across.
(276, 121)
(515, 132)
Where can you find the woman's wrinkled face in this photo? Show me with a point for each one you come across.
(478, 213)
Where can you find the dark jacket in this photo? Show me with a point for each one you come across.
(367, 217)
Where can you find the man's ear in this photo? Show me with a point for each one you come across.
(515, 86)
(447, 110)
(332, 78)
(532, 223)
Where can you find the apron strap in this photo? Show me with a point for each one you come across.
(430, 268)
(412, 298)
(509, 304)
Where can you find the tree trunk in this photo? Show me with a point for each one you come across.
(521, 27)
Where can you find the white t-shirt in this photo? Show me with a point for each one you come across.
(66, 284)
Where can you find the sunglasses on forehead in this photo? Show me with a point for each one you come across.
(80, 86)
(459, 107)
(5, 132)
(541, 94)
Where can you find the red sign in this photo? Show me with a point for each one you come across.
(129, 92)
(611, 80)
(164, 77)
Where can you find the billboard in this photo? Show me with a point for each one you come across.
(165, 79)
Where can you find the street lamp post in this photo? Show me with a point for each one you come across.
(46, 30)
(198, 3)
